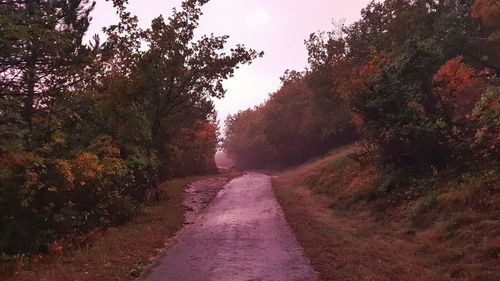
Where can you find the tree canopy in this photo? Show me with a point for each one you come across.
(418, 79)
(87, 131)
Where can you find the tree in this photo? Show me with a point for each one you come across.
(457, 88)
(41, 57)
(86, 132)
(177, 74)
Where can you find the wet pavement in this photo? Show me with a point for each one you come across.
(241, 235)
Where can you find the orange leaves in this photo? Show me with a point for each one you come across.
(206, 131)
(373, 66)
(195, 147)
(13, 160)
(201, 132)
(111, 151)
(87, 168)
(454, 74)
(487, 11)
(357, 79)
(64, 170)
(456, 87)
(21, 170)
(105, 146)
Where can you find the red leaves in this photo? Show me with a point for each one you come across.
(195, 147)
(457, 88)
(56, 248)
(206, 131)
(202, 132)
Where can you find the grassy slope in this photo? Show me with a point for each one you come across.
(119, 253)
(353, 228)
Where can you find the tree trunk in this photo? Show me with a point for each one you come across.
(29, 101)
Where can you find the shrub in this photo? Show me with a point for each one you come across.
(43, 200)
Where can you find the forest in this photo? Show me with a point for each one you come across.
(416, 82)
(87, 131)
(385, 150)
(392, 130)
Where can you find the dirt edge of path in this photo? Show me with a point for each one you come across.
(197, 196)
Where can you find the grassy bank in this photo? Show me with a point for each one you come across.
(355, 223)
(119, 253)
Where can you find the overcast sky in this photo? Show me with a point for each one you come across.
(277, 27)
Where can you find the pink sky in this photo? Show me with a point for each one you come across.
(277, 27)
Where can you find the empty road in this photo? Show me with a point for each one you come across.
(241, 235)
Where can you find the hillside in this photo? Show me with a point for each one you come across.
(416, 85)
(354, 224)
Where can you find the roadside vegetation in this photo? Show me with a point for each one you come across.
(415, 81)
(413, 89)
(117, 253)
(89, 131)
(351, 227)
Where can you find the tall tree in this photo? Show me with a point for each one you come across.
(41, 55)
(180, 74)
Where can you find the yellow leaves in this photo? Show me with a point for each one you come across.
(113, 166)
(104, 145)
(58, 138)
(86, 168)
(373, 66)
(64, 169)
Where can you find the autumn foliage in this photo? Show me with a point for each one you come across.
(418, 79)
(295, 124)
(87, 131)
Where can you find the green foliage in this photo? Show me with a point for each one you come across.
(414, 98)
(43, 199)
(87, 132)
(418, 79)
(487, 115)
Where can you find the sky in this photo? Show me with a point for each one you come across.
(277, 27)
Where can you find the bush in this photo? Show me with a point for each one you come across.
(43, 200)
(486, 114)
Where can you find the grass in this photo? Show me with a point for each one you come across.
(120, 253)
(353, 225)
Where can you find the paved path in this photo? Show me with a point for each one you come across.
(241, 235)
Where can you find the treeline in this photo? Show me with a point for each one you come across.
(418, 79)
(87, 131)
(300, 120)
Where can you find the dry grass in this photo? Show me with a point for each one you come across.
(348, 236)
(120, 253)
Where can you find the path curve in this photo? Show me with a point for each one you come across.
(241, 235)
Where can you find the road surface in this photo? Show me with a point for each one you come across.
(241, 235)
